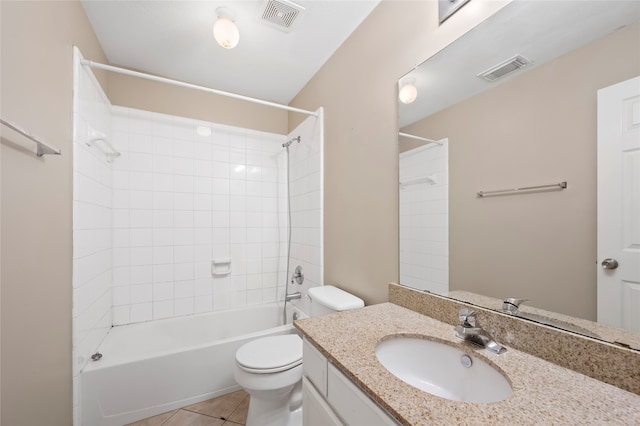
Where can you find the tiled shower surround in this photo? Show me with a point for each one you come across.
(183, 193)
(424, 222)
(186, 193)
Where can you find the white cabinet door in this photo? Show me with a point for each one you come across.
(315, 410)
(353, 406)
(314, 366)
(619, 204)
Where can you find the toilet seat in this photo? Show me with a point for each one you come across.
(270, 354)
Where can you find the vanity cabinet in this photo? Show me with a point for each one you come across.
(330, 398)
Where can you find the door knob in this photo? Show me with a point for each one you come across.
(609, 264)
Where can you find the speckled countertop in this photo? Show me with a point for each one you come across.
(543, 393)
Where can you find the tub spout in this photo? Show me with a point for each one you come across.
(293, 296)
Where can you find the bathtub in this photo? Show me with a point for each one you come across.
(157, 366)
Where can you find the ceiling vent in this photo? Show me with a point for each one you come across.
(281, 14)
(502, 69)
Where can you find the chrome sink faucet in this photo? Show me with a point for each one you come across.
(470, 331)
(511, 305)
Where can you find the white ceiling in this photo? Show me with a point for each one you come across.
(174, 39)
(539, 30)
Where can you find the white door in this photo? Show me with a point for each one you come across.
(619, 205)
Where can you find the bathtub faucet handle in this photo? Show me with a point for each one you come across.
(298, 275)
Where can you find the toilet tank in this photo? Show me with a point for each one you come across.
(327, 299)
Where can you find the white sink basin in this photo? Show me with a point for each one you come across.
(438, 368)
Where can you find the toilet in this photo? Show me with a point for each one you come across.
(269, 369)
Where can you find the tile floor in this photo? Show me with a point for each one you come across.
(229, 410)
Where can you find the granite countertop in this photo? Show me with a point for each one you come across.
(543, 393)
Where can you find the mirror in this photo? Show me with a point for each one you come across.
(535, 125)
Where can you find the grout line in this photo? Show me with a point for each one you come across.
(170, 417)
(203, 414)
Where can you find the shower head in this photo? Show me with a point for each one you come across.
(286, 144)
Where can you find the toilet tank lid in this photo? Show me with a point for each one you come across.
(335, 298)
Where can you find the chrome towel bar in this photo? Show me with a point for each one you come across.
(561, 185)
(42, 147)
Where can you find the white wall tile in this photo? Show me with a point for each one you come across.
(183, 219)
(162, 146)
(203, 304)
(183, 199)
(183, 271)
(141, 293)
(163, 255)
(203, 286)
(139, 218)
(141, 181)
(140, 143)
(163, 201)
(183, 148)
(221, 169)
(121, 295)
(183, 236)
(162, 237)
(163, 309)
(121, 276)
(141, 312)
(183, 254)
(183, 306)
(202, 185)
(141, 274)
(140, 237)
(121, 315)
(203, 150)
(141, 255)
(163, 291)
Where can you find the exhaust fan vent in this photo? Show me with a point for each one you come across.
(281, 14)
(504, 68)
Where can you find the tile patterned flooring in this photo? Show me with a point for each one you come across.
(228, 410)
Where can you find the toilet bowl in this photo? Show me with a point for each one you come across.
(270, 368)
(270, 371)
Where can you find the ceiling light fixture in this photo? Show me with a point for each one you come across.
(407, 90)
(224, 29)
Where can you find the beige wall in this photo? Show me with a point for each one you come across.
(167, 99)
(36, 93)
(534, 129)
(357, 87)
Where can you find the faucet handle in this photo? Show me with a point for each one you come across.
(467, 317)
(510, 305)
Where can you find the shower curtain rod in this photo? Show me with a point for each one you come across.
(125, 71)
(420, 138)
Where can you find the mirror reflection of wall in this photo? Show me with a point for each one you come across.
(536, 127)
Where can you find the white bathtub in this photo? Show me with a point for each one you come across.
(153, 367)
